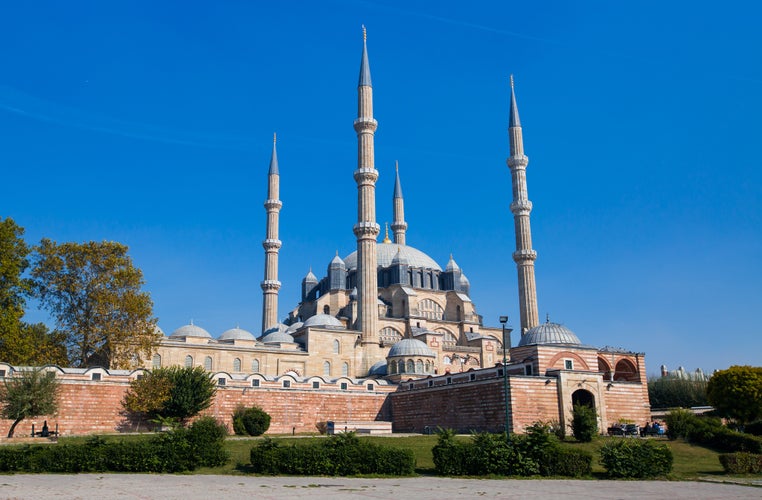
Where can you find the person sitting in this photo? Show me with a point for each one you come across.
(45, 431)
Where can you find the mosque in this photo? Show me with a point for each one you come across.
(391, 313)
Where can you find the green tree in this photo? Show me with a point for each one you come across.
(192, 392)
(94, 293)
(675, 392)
(584, 423)
(29, 394)
(737, 393)
(146, 396)
(13, 291)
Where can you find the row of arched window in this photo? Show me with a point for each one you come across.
(209, 363)
(327, 369)
(410, 366)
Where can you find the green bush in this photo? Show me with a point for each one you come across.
(741, 463)
(636, 458)
(252, 421)
(177, 451)
(678, 422)
(709, 431)
(340, 455)
(584, 423)
(566, 462)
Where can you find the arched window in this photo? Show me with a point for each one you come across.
(447, 360)
(345, 369)
(389, 336)
(448, 339)
(189, 361)
(336, 346)
(327, 369)
(255, 365)
(410, 366)
(625, 371)
(237, 365)
(326, 309)
(208, 363)
(429, 309)
(392, 367)
(401, 366)
(428, 366)
(157, 361)
(419, 366)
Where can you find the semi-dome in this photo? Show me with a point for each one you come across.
(294, 327)
(236, 334)
(549, 333)
(410, 347)
(191, 331)
(323, 320)
(280, 327)
(277, 336)
(378, 369)
(386, 252)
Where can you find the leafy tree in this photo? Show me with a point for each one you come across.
(13, 290)
(30, 394)
(94, 293)
(192, 392)
(675, 392)
(584, 423)
(147, 395)
(737, 392)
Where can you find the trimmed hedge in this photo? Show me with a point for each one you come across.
(709, 431)
(741, 463)
(636, 458)
(340, 455)
(252, 421)
(177, 451)
(537, 452)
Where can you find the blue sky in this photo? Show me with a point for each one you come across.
(150, 123)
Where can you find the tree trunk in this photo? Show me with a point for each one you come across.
(13, 427)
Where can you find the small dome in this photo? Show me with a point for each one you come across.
(323, 320)
(236, 334)
(277, 336)
(410, 347)
(280, 327)
(464, 281)
(191, 331)
(549, 333)
(379, 368)
(452, 265)
(337, 262)
(399, 259)
(294, 327)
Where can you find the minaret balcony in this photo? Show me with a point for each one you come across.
(366, 175)
(525, 254)
(270, 204)
(366, 230)
(270, 285)
(365, 124)
(272, 244)
(518, 161)
(521, 207)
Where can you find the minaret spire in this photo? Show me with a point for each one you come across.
(270, 285)
(366, 230)
(524, 256)
(399, 226)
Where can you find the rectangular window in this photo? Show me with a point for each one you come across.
(96, 376)
(343, 386)
(286, 384)
(2, 373)
(472, 377)
(568, 364)
(371, 387)
(431, 383)
(221, 381)
(527, 369)
(316, 384)
(255, 382)
(449, 380)
(500, 372)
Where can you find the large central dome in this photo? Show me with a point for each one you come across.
(387, 251)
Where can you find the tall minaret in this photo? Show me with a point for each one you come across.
(524, 256)
(366, 230)
(399, 226)
(271, 285)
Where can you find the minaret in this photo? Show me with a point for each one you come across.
(366, 230)
(399, 226)
(271, 285)
(524, 256)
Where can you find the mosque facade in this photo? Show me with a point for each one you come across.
(390, 312)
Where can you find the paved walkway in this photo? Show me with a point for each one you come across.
(165, 487)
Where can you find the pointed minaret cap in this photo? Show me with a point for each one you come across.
(311, 278)
(397, 183)
(364, 65)
(513, 118)
(274, 160)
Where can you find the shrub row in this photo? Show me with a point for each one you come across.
(340, 455)
(537, 452)
(709, 431)
(741, 463)
(636, 458)
(176, 451)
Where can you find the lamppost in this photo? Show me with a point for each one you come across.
(506, 346)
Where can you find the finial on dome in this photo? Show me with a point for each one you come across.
(511, 81)
(547, 318)
(364, 34)
(337, 252)
(386, 233)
